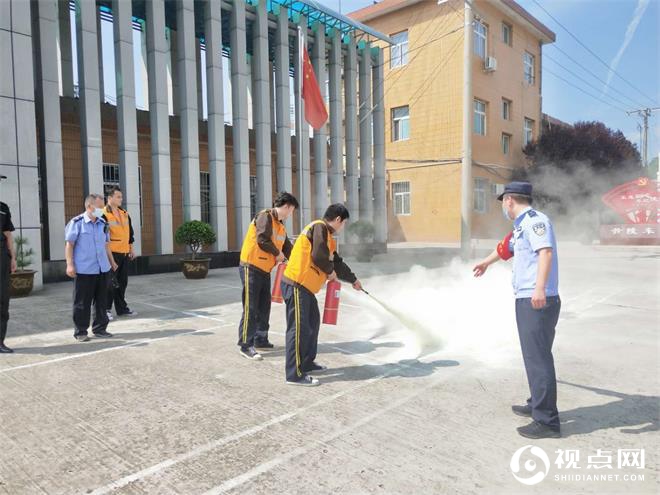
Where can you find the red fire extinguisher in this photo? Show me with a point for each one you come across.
(276, 295)
(331, 309)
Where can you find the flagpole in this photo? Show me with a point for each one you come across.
(299, 124)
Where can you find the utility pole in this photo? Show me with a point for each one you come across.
(466, 165)
(645, 113)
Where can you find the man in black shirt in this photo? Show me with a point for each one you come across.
(7, 266)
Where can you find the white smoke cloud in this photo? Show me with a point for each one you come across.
(630, 33)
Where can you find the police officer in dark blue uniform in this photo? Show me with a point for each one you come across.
(89, 261)
(7, 266)
(533, 246)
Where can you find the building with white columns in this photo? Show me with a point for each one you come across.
(188, 107)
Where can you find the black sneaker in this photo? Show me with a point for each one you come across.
(128, 312)
(305, 381)
(524, 411)
(536, 431)
(103, 335)
(263, 344)
(250, 353)
(82, 338)
(5, 350)
(316, 367)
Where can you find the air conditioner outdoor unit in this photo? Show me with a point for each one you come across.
(490, 64)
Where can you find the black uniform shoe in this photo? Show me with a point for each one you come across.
(103, 335)
(128, 312)
(316, 367)
(536, 431)
(263, 344)
(82, 338)
(524, 411)
(250, 353)
(5, 350)
(305, 381)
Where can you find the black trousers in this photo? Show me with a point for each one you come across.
(117, 291)
(536, 328)
(88, 289)
(5, 270)
(302, 330)
(256, 306)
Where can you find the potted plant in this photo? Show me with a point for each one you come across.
(22, 280)
(195, 235)
(362, 232)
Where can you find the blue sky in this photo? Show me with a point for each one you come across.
(602, 26)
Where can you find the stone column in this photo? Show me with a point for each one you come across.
(160, 126)
(187, 75)
(380, 202)
(350, 78)
(99, 38)
(216, 122)
(366, 143)
(66, 54)
(50, 129)
(90, 109)
(261, 107)
(126, 115)
(240, 138)
(320, 136)
(336, 122)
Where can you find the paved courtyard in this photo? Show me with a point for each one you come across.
(169, 406)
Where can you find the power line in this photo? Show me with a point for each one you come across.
(636, 103)
(592, 52)
(585, 92)
(586, 82)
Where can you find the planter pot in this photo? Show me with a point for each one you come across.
(21, 283)
(195, 269)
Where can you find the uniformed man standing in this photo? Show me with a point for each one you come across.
(314, 260)
(89, 261)
(533, 246)
(7, 266)
(265, 245)
(121, 245)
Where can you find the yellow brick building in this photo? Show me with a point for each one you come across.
(424, 109)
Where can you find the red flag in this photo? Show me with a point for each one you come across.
(315, 111)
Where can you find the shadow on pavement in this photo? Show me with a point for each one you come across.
(631, 410)
(353, 347)
(407, 368)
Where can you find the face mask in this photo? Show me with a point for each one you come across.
(505, 213)
(98, 212)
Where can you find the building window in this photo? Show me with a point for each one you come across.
(480, 188)
(401, 198)
(205, 195)
(507, 33)
(480, 117)
(111, 178)
(253, 196)
(506, 109)
(528, 132)
(528, 62)
(506, 143)
(480, 35)
(399, 50)
(400, 123)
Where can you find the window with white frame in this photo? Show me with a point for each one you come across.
(479, 117)
(400, 123)
(480, 197)
(205, 195)
(528, 63)
(506, 109)
(528, 132)
(506, 143)
(507, 33)
(480, 36)
(399, 50)
(401, 197)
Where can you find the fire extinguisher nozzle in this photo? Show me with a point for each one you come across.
(366, 292)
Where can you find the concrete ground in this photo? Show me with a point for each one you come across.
(168, 405)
